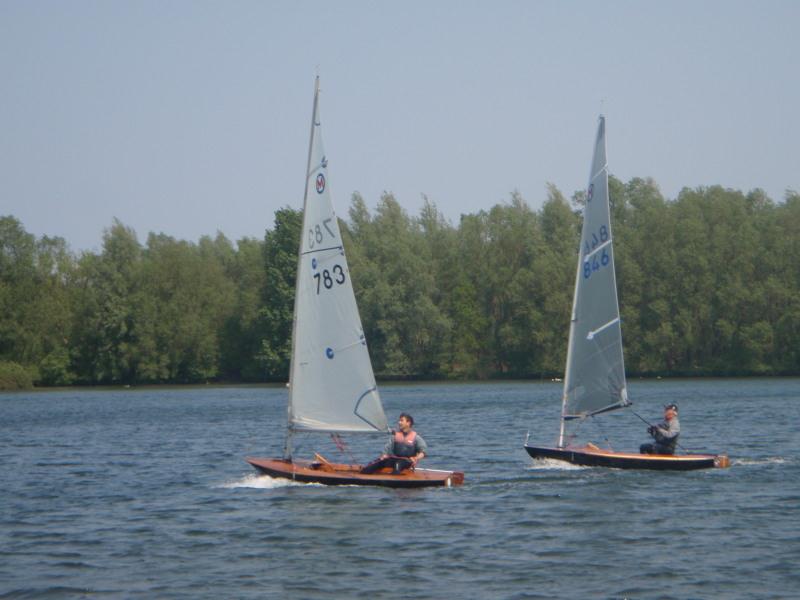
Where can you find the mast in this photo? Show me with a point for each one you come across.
(567, 374)
(287, 449)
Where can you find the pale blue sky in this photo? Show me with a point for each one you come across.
(191, 117)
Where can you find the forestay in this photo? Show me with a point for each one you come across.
(331, 385)
(595, 376)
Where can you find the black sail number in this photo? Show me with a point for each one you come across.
(339, 272)
(326, 279)
(318, 233)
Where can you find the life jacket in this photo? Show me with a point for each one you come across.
(404, 445)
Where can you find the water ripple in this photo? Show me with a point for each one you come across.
(144, 494)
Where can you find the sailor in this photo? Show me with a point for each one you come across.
(665, 434)
(404, 450)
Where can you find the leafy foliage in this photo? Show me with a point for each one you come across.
(708, 284)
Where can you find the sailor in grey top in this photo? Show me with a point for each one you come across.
(665, 434)
(403, 450)
(406, 445)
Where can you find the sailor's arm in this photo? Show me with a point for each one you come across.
(668, 433)
(421, 449)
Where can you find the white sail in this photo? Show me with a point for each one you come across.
(331, 383)
(594, 381)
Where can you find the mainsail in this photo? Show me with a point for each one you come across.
(331, 383)
(595, 376)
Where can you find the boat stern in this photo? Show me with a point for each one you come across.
(721, 461)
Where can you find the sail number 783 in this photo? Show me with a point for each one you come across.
(326, 278)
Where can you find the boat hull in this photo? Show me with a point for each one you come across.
(326, 473)
(592, 456)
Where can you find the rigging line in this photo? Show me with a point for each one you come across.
(342, 446)
(321, 250)
(602, 432)
(299, 445)
(574, 434)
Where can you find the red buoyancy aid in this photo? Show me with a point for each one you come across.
(405, 445)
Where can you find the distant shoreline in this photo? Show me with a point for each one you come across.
(394, 382)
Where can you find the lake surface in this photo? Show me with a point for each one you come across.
(145, 494)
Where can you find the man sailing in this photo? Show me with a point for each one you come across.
(665, 434)
(404, 450)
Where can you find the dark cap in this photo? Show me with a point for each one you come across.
(671, 406)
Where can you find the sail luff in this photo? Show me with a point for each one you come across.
(289, 428)
(570, 344)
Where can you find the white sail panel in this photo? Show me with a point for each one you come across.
(331, 386)
(595, 376)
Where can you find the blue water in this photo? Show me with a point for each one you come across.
(145, 494)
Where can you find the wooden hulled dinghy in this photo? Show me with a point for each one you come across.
(328, 473)
(332, 387)
(592, 456)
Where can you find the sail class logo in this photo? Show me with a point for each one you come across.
(320, 183)
(590, 192)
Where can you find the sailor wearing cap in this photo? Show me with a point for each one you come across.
(665, 434)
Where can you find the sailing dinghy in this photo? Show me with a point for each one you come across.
(594, 382)
(331, 383)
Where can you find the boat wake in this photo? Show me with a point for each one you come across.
(749, 462)
(551, 464)
(262, 482)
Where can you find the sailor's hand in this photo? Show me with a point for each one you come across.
(651, 430)
(414, 460)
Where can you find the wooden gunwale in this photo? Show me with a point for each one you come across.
(329, 473)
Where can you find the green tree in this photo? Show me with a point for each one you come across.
(185, 300)
(106, 294)
(241, 339)
(34, 302)
(395, 289)
(280, 265)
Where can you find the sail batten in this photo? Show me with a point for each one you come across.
(594, 381)
(330, 367)
(318, 250)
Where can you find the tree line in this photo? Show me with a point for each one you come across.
(709, 284)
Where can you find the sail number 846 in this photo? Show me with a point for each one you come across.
(595, 264)
(328, 278)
